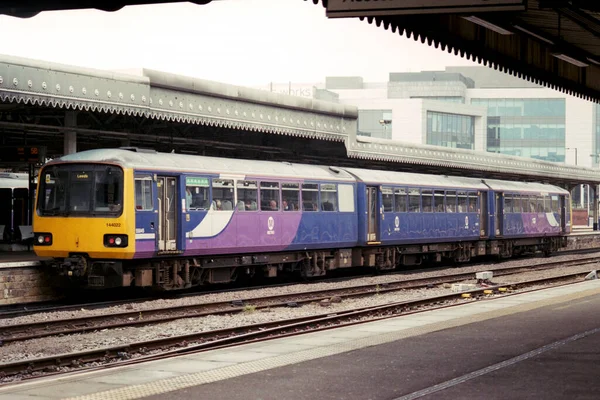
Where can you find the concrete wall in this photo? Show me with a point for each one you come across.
(24, 285)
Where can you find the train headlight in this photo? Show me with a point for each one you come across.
(42, 239)
(115, 240)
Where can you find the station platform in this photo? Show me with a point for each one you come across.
(536, 345)
(15, 259)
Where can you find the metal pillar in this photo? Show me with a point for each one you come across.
(594, 206)
(70, 144)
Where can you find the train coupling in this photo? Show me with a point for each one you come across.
(74, 266)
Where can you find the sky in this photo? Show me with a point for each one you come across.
(243, 42)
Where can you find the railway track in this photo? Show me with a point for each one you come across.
(201, 341)
(13, 311)
(67, 326)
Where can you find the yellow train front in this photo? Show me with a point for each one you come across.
(82, 221)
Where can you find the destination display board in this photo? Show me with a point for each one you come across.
(357, 8)
(22, 154)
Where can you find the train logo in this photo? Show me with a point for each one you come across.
(397, 224)
(271, 225)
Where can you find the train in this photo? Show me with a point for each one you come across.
(130, 217)
(15, 226)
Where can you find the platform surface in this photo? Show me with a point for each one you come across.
(477, 349)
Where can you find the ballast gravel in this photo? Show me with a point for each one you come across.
(299, 288)
(99, 339)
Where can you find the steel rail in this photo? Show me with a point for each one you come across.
(230, 336)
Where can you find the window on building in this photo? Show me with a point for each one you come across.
(450, 130)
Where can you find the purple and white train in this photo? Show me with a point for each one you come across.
(131, 217)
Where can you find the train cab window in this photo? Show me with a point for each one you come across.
(508, 203)
(197, 193)
(438, 201)
(290, 195)
(463, 202)
(387, 195)
(450, 201)
(143, 193)
(329, 200)
(269, 196)
(222, 194)
(247, 196)
(414, 200)
(400, 200)
(427, 200)
(310, 197)
(108, 195)
(473, 197)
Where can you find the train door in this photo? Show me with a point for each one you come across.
(499, 219)
(372, 215)
(562, 210)
(167, 213)
(483, 214)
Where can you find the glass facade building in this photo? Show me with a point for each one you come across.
(450, 130)
(532, 128)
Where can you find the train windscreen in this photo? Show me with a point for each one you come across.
(81, 190)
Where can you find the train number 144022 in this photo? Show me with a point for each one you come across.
(113, 224)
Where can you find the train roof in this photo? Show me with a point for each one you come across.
(532, 187)
(409, 178)
(155, 161)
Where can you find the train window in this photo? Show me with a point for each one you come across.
(547, 204)
(533, 206)
(427, 200)
(463, 202)
(387, 194)
(541, 204)
(247, 196)
(143, 193)
(269, 196)
(516, 203)
(438, 201)
(400, 200)
(329, 197)
(555, 204)
(508, 203)
(196, 193)
(290, 193)
(473, 201)
(222, 194)
(310, 197)
(346, 197)
(414, 200)
(107, 188)
(451, 201)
